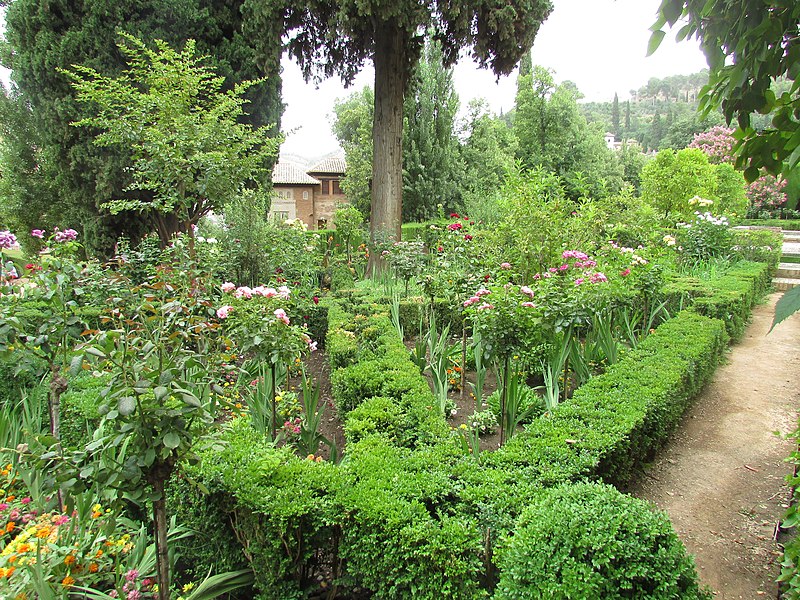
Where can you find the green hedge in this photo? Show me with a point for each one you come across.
(591, 541)
(729, 297)
(785, 224)
(416, 521)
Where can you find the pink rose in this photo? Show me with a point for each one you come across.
(281, 314)
(505, 266)
(227, 287)
(224, 311)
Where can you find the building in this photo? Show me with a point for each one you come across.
(310, 195)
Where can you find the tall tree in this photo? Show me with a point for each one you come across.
(748, 44)
(615, 115)
(352, 126)
(627, 116)
(337, 37)
(42, 37)
(432, 166)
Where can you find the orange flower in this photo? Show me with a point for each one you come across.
(23, 548)
(10, 572)
(10, 526)
(98, 554)
(43, 532)
(93, 567)
(69, 559)
(67, 581)
(10, 498)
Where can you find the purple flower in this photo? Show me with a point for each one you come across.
(37, 233)
(7, 240)
(132, 575)
(68, 235)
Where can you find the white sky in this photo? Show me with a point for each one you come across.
(598, 44)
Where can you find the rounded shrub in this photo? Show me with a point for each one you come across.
(591, 541)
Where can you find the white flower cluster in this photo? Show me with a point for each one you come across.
(707, 216)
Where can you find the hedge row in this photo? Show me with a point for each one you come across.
(424, 522)
(729, 297)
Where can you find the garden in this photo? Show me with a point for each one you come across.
(225, 405)
(423, 432)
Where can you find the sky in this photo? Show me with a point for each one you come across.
(600, 45)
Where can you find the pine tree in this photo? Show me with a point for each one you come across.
(627, 116)
(615, 115)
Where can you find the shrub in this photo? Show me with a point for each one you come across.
(590, 541)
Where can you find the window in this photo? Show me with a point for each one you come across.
(305, 195)
(284, 194)
(325, 188)
(336, 188)
(280, 215)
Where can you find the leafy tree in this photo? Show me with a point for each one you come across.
(672, 178)
(488, 153)
(40, 38)
(190, 153)
(615, 125)
(627, 116)
(748, 44)
(552, 133)
(337, 37)
(432, 168)
(353, 128)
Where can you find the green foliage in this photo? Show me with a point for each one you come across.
(432, 168)
(353, 128)
(589, 540)
(759, 36)
(672, 178)
(190, 153)
(704, 238)
(730, 191)
(57, 176)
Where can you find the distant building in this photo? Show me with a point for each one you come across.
(310, 195)
(612, 144)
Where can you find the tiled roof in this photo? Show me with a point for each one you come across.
(332, 164)
(287, 173)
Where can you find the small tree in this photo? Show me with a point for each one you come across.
(190, 153)
(349, 223)
(672, 178)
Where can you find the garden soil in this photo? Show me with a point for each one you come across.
(721, 477)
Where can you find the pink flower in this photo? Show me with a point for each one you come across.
(552, 270)
(7, 240)
(579, 281)
(227, 287)
(467, 237)
(224, 311)
(284, 292)
(598, 278)
(132, 575)
(526, 290)
(505, 266)
(281, 314)
(454, 216)
(537, 277)
(482, 292)
(472, 300)
(529, 305)
(68, 235)
(385, 253)
(315, 299)
(37, 233)
(243, 292)
(485, 306)
(563, 267)
(626, 272)
(440, 249)
(574, 254)
(547, 275)
(62, 520)
(455, 226)
(26, 500)
(3, 506)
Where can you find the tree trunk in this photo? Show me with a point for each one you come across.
(160, 526)
(391, 77)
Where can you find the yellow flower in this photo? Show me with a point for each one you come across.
(463, 426)
(188, 586)
(67, 581)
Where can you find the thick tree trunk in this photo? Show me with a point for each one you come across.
(391, 77)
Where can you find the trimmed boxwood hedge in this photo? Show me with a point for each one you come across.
(416, 518)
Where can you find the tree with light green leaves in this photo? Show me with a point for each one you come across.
(190, 152)
(673, 178)
(53, 174)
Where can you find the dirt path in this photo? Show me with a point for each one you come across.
(721, 476)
